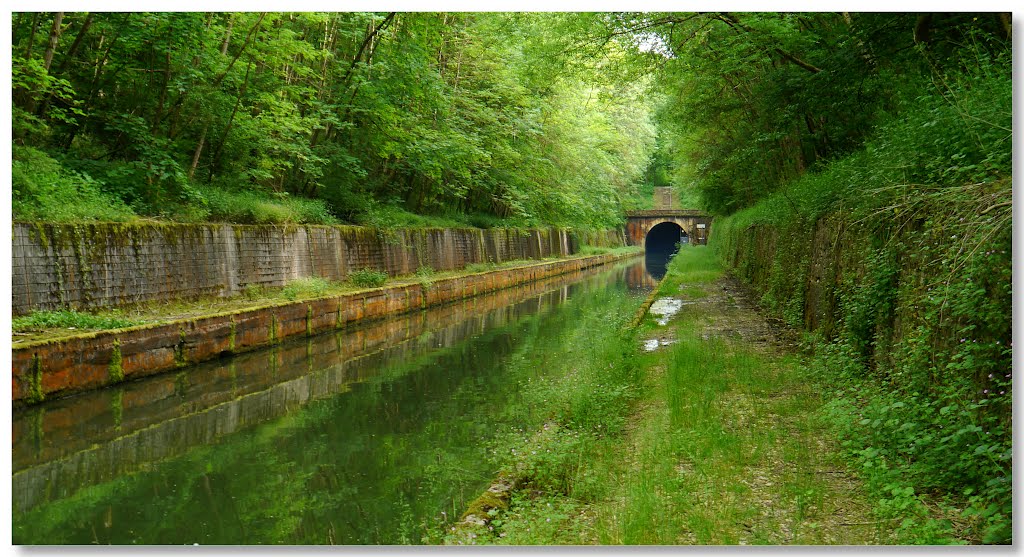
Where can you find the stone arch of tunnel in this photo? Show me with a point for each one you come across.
(664, 237)
(697, 224)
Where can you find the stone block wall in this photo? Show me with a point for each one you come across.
(87, 266)
(55, 368)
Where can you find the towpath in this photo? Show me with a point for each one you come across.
(724, 445)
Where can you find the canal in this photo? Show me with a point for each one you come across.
(372, 435)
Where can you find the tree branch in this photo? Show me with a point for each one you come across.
(248, 38)
(366, 42)
(731, 21)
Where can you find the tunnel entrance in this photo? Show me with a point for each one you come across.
(662, 241)
(664, 237)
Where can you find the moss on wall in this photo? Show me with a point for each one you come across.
(96, 265)
(36, 381)
(115, 371)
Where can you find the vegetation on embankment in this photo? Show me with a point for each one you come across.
(377, 119)
(715, 438)
(897, 260)
(452, 119)
(756, 100)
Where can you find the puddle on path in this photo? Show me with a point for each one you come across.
(666, 308)
(650, 345)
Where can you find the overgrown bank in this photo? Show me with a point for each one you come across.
(713, 438)
(897, 262)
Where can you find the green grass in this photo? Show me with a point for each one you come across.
(726, 441)
(252, 207)
(706, 441)
(307, 287)
(68, 319)
(693, 265)
(602, 250)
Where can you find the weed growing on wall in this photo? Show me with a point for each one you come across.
(306, 287)
(426, 276)
(368, 278)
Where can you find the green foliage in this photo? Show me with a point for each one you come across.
(758, 99)
(914, 295)
(251, 207)
(368, 278)
(32, 84)
(401, 119)
(492, 119)
(69, 319)
(253, 292)
(392, 216)
(594, 250)
(426, 276)
(945, 443)
(43, 189)
(306, 287)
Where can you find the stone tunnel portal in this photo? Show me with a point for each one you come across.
(664, 239)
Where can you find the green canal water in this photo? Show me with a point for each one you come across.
(375, 435)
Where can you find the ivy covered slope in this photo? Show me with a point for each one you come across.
(897, 257)
(372, 118)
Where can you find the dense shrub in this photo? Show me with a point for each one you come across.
(42, 189)
(306, 287)
(251, 207)
(368, 278)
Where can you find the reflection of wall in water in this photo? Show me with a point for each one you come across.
(647, 275)
(63, 446)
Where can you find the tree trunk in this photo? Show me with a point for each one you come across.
(865, 52)
(75, 44)
(366, 42)
(163, 95)
(922, 29)
(732, 21)
(32, 36)
(231, 119)
(227, 36)
(67, 58)
(95, 86)
(55, 32)
(248, 38)
(198, 151)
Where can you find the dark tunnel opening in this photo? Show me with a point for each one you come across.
(662, 241)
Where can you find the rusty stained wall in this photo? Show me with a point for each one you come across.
(86, 266)
(55, 368)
